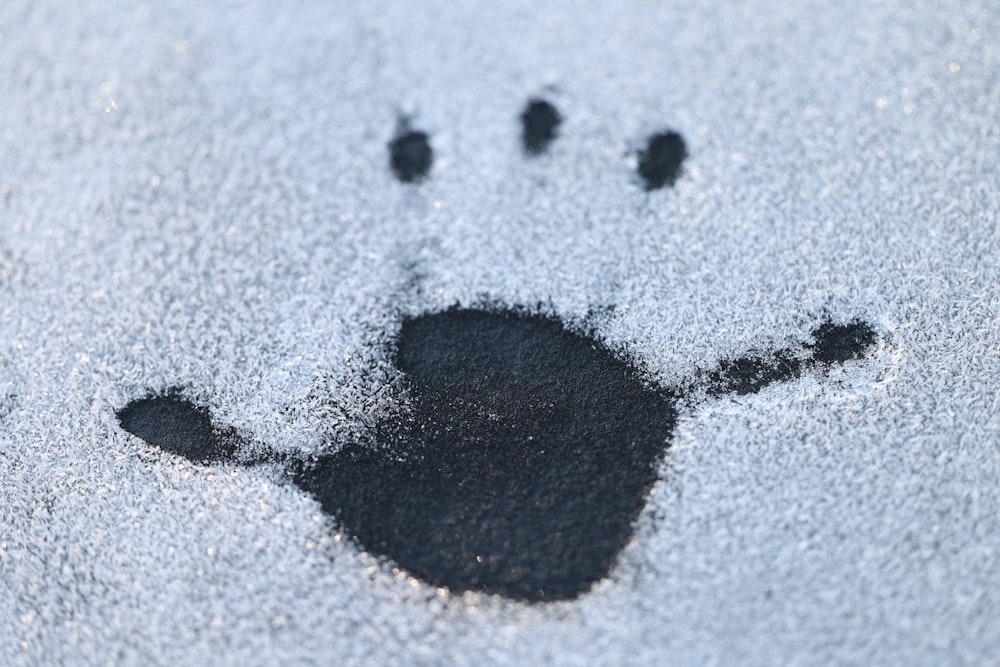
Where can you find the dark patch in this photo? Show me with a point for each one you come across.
(748, 375)
(834, 344)
(837, 343)
(410, 156)
(660, 163)
(526, 456)
(178, 426)
(526, 453)
(539, 123)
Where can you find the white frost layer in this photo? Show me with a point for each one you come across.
(197, 194)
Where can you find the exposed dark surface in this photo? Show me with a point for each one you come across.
(539, 124)
(660, 163)
(525, 456)
(410, 156)
(836, 343)
(748, 375)
(178, 426)
(525, 459)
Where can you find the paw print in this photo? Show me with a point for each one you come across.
(524, 450)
